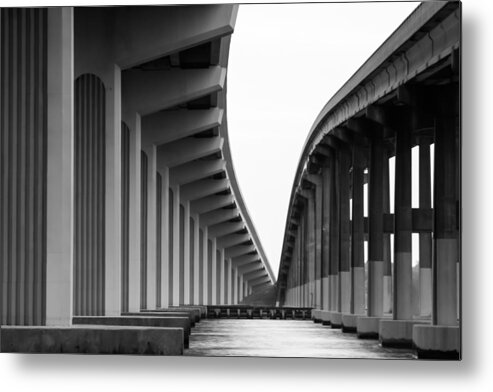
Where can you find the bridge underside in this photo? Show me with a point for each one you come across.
(118, 192)
(336, 258)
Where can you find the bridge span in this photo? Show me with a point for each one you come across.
(122, 224)
(406, 95)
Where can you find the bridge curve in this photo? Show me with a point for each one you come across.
(405, 95)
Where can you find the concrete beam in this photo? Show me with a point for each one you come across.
(259, 281)
(194, 171)
(168, 126)
(143, 34)
(148, 92)
(239, 250)
(225, 228)
(255, 275)
(186, 150)
(198, 189)
(211, 203)
(231, 240)
(251, 267)
(246, 259)
(217, 216)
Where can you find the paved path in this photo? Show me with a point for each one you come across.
(283, 338)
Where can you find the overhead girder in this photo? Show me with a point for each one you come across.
(170, 125)
(238, 250)
(225, 228)
(196, 170)
(218, 215)
(231, 240)
(255, 274)
(211, 203)
(186, 150)
(147, 92)
(251, 267)
(259, 281)
(202, 188)
(246, 259)
(164, 25)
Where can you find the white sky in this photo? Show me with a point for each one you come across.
(286, 61)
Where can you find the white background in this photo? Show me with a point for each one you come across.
(474, 373)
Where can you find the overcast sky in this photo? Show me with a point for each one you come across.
(286, 61)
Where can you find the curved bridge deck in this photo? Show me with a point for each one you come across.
(282, 338)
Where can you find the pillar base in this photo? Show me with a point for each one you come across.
(324, 317)
(368, 327)
(349, 322)
(335, 319)
(397, 333)
(437, 342)
(316, 316)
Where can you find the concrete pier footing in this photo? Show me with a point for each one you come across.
(349, 322)
(398, 333)
(368, 327)
(92, 340)
(437, 341)
(335, 319)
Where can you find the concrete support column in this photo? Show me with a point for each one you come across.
(375, 231)
(344, 305)
(240, 288)
(205, 265)
(357, 305)
(334, 238)
(222, 283)
(425, 248)
(60, 167)
(318, 244)
(213, 263)
(196, 260)
(387, 269)
(176, 246)
(113, 202)
(311, 248)
(186, 255)
(150, 151)
(444, 311)
(229, 273)
(402, 298)
(326, 193)
(165, 300)
(134, 123)
(235, 285)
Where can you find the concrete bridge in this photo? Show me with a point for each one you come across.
(118, 192)
(121, 221)
(407, 94)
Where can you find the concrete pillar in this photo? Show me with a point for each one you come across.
(205, 262)
(113, 209)
(375, 232)
(134, 123)
(444, 311)
(165, 260)
(213, 263)
(240, 288)
(196, 261)
(318, 243)
(387, 269)
(344, 305)
(222, 288)
(186, 255)
(235, 285)
(311, 248)
(425, 248)
(176, 246)
(402, 295)
(229, 286)
(357, 305)
(60, 167)
(334, 238)
(150, 151)
(326, 183)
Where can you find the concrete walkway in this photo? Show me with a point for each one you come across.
(283, 338)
